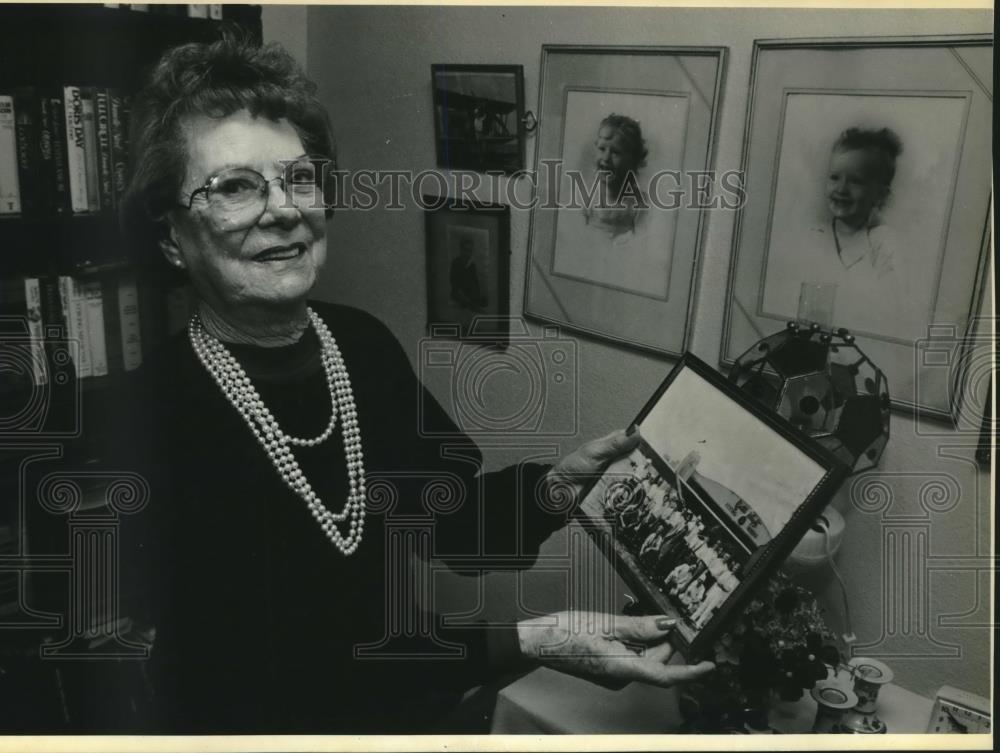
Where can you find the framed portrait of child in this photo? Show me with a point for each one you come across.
(617, 215)
(863, 168)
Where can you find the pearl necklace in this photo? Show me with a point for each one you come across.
(238, 390)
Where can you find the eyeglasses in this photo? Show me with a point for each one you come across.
(237, 197)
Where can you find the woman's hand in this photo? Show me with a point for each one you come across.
(568, 478)
(606, 648)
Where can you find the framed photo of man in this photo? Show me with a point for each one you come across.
(616, 225)
(468, 267)
(863, 170)
(715, 496)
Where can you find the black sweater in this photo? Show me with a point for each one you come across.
(261, 623)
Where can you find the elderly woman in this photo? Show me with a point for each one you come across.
(291, 471)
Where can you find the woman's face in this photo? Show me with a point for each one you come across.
(854, 186)
(272, 263)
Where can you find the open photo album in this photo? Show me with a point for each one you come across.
(714, 498)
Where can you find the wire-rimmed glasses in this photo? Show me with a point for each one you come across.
(236, 198)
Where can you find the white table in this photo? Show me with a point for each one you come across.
(549, 702)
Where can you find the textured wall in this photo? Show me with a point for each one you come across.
(286, 25)
(373, 69)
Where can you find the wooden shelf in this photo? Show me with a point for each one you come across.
(86, 45)
(59, 245)
(90, 45)
(48, 47)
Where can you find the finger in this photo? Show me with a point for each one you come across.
(590, 460)
(661, 652)
(655, 673)
(614, 445)
(645, 629)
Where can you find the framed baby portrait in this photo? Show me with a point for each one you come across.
(864, 172)
(618, 213)
(468, 267)
(716, 495)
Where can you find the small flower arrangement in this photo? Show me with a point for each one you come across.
(779, 646)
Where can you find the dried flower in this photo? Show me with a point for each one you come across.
(779, 645)
(787, 601)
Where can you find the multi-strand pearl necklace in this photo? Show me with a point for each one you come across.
(236, 386)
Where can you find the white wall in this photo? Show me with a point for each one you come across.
(373, 69)
(286, 25)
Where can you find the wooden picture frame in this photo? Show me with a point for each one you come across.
(622, 268)
(718, 493)
(910, 263)
(479, 117)
(468, 270)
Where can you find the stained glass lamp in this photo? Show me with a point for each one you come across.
(821, 382)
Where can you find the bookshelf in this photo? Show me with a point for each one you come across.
(61, 426)
(46, 48)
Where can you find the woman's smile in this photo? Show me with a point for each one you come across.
(281, 253)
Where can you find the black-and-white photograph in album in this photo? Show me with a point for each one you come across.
(673, 527)
(713, 495)
(731, 452)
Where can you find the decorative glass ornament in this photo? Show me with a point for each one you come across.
(822, 383)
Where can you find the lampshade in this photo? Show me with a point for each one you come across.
(823, 384)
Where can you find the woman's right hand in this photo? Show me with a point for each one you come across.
(608, 649)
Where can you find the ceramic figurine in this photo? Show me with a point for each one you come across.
(832, 700)
(869, 677)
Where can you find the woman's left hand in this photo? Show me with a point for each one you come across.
(568, 478)
(608, 649)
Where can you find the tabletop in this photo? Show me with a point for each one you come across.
(548, 702)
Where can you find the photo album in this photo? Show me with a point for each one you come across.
(714, 498)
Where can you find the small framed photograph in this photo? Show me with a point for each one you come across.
(468, 270)
(864, 171)
(716, 495)
(617, 222)
(479, 117)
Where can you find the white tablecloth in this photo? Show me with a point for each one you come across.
(549, 702)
